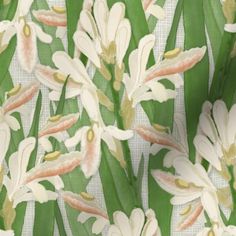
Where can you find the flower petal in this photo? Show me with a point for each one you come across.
(114, 231)
(50, 18)
(205, 148)
(5, 136)
(12, 122)
(137, 221)
(181, 63)
(26, 45)
(231, 129)
(122, 222)
(118, 133)
(156, 11)
(231, 28)
(42, 36)
(79, 203)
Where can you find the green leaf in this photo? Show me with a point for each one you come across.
(118, 192)
(195, 80)
(140, 178)
(215, 21)
(73, 9)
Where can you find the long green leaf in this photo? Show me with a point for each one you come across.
(195, 80)
(73, 8)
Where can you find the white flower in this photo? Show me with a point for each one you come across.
(27, 33)
(56, 127)
(176, 143)
(7, 232)
(17, 97)
(87, 205)
(191, 183)
(90, 138)
(218, 231)
(151, 8)
(135, 225)
(105, 36)
(218, 139)
(229, 10)
(18, 188)
(145, 84)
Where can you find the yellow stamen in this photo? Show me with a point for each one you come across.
(59, 10)
(211, 233)
(87, 196)
(14, 90)
(181, 183)
(160, 128)
(173, 53)
(60, 78)
(186, 210)
(90, 135)
(27, 30)
(52, 156)
(55, 118)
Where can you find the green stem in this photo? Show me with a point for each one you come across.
(233, 192)
(125, 145)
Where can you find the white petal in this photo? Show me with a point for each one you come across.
(122, 222)
(180, 200)
(43, 37)
(6, 233)
(118, 133)
(122, 40)
(207, 151)
(5, 136)
(116, 14)
(231, 28)
(156, 11)
(220, 114)
(8, 34)
(100, 11)
(231, 129)
(99, 225)
(87, 47)
(12, 122)
(73, 141)
(137, 221)
(46, 144)
(114, 231)
(38, 191)
(61, 32)
(24, 7)
(26, 46)
(150, 228)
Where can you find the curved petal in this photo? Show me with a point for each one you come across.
(231, 28)
(118, 133)
(156, 11)
(42, 36)
(137, 221)
(5, 136)
(231, 128)
(12, 122)
(181, 63)
(114, 231)
(50, 18)
(122, 222)
(26, 45)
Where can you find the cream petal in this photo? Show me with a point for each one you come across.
(190, 172)
(207, 151)
(191, 218)
(231, 128)
(42, 36)
(79, 203)
(118, 133)
(46, 144)
(24, 7)
(24, 151)
(63, 165)
(8, 34)
(101, 12)
(60, 32)
(145, 46)
(73, 141)
(122, 40)
(38, 191)
(170, 158)
(26, 45)
(87, 22)
(12, 122)
(90, 102)
(231, 28)
(5, 136)
(83, 217)
(116, 14)
(50, 18)
(87, 47)
(221, 116)
(150, 228)
(156, 11)
(208, 127)
(181, 200)
(122, 222)
(90, 147)
(25, 94)
(70, 93)
(210, 205)
(99, 224)
(6, 232)
(114, 231)
(137, 221)
(181, 63)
